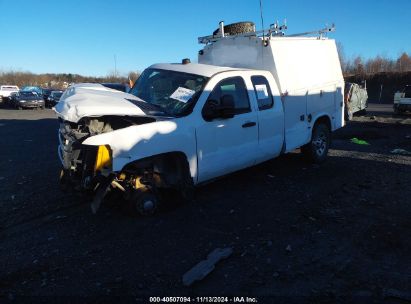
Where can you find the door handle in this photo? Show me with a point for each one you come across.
(249, 124)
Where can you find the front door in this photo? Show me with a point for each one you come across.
(227, 145)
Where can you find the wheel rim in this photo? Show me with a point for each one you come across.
(148, 206)
(320, 144)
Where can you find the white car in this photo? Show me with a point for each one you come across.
(6, 90)
(185, 124)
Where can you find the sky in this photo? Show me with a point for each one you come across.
(88, 37)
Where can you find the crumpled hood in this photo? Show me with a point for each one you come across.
(92, 100)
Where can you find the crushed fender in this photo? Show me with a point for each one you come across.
(101, 192)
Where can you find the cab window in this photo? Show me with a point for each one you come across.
(262, 92)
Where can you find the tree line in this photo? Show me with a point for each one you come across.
(58, 81)
(371, 66)
(356, 66)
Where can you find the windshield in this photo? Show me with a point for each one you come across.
(31, 89)
(57, 95)
(175, 93)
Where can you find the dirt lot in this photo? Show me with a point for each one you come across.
(300, 232)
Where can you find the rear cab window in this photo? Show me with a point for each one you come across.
(262, 92)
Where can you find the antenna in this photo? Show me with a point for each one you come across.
(262, 19)
(115, 65)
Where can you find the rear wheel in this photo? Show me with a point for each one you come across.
(316, 150)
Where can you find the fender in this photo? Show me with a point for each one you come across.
(321, 115)
(141, 141)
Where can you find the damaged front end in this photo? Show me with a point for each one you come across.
(89, 168)
(110, 140)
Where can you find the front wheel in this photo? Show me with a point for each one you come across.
(316, 150)
(144, 201)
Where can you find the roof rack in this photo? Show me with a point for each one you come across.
(275, 30)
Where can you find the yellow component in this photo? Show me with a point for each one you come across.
(104, 158)
(122, 176)
(138, 184)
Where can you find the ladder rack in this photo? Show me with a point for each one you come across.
(275, 30)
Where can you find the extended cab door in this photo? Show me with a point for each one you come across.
(270, 117)
(227, 145)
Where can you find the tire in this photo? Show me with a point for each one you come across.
(316, 150)
(237, 28)
(144, 201)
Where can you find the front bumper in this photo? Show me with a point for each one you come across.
(31, 104)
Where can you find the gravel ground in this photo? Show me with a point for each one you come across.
(299, 232)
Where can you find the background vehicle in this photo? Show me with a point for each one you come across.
(117, 86)
(10, 101)
(355, 99)
(402, 100)
(36, 89)
(6, 90)
(53, 98)
(46, 93)
(185, 124)
(28, 99)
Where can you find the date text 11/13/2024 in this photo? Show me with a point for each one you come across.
(203, 300)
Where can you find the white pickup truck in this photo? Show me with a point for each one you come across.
(402, 100)
(6, 90)
(185, 124)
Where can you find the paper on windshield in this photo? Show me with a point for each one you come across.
(182, 94)
(262, 92)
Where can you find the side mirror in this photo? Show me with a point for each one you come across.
(210, 110)
(222, 109)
